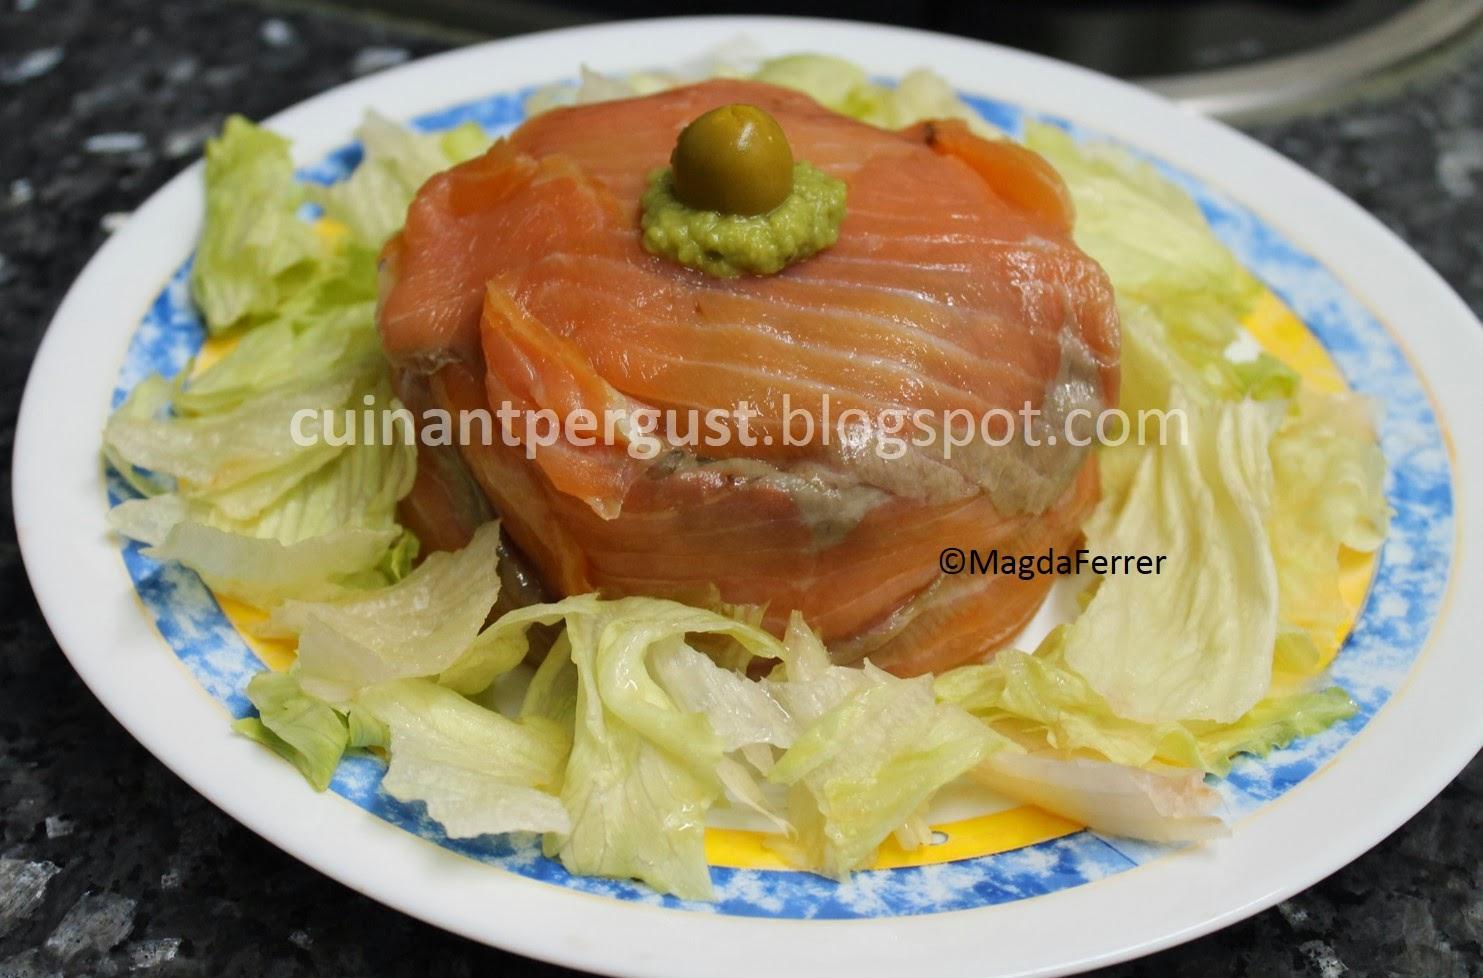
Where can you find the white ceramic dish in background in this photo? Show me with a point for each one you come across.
(1429, 728)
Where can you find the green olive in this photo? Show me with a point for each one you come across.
(735, 160)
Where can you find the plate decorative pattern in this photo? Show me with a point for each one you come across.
(1389, 634)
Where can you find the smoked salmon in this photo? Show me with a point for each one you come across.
(520, 280)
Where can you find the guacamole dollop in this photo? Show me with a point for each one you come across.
(728, 245)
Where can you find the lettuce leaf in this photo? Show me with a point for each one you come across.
(833, 82)
(1030, 696)
(863, 752)
(415, 628)
(254, 246)
(325, 330)
(1152, 805)
(643, 771)
(244, 457)
(1195, 641)
(372, 202)
(1182, 296)
(868, 765)
(477, 771)
(592, 86)
(464, 142)
(360, 488)
(845, 87)
(302, 729)
(741, 711)
(662, 733)
(149, 400)
(1273, 723)
(1329, 473)
(1150, 237)
(268, 522)
(219, 450)
(1038, 700)
(1181, 293)
(828, 80)
(265, 572)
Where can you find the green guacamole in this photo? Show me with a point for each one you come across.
(728, 245)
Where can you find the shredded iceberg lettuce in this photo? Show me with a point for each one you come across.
(149, 398)
(260, 471)
(828, 80)
(372, 201)
(1271, 483)
(645, 714)
(845, 87)
(254, 513)
(628, 735)
(324, 330)
(476, 770)
(1194, 642)
(299, 727)
(1039, 700)
(417, 627)
(868, 765)
(1330, 475)
(866, 754)
(1181, 293)
(1155, 805)
(643, 770)
(643, 773)
(254, 249)
(265, 572)
(832, 82)
(242, 458)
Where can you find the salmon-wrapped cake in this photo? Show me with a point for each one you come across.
(953, 293)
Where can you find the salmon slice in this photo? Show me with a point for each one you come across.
(520, 280)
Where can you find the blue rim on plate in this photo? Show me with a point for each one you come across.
(1405, 594)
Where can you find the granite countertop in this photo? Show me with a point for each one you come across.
(109, 864)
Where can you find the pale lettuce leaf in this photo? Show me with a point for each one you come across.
(1181, 293)
(865, 752)
(870, 764)
(278, 508)
(1329, 473)
(833, 82)
(268, 444)
(464, 142)
(150, 399)
(265, 572)
(1166, 805)
(228, 451)
(302, 729)
(476, 770)
(254, 247)
(327, 329)
(846, 88)
(828, 80)
(742, 711)
(372, 202)
(412, 629)
(1194, 642)
(1037, 699)
(643, 771)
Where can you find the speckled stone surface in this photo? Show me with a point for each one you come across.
(110, 865)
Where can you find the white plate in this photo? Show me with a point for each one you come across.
(1412, 664)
